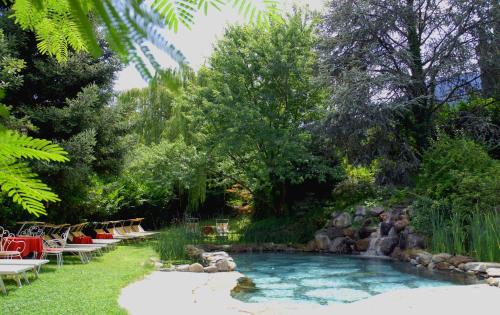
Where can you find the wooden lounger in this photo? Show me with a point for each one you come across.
(13, 270)
(35, 263)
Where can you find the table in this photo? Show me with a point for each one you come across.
(33, 244)
(82, 240)
(104, 236)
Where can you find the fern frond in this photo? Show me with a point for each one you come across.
(63, 24)
(22, 185)
(17, 179)
(17, 146)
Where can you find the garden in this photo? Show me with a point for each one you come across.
(318, 158)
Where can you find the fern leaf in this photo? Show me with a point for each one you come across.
(16, 146)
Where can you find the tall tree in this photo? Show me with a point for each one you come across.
(258, 95)
(393, 64)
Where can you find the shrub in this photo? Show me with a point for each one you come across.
(458, 203)
(356, 187)
(460, 173)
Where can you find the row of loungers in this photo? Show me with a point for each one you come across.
(60, 239)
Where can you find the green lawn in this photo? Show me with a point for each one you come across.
(79, 289)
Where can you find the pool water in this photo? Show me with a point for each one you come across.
(329, 279)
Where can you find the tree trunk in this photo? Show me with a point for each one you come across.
(417, 88)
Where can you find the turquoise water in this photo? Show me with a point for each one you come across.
(328, 279)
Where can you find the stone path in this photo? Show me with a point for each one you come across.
(207, 294)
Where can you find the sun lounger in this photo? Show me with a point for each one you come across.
(77, 231)
(13, 270)
(58, 246)
(34, 263)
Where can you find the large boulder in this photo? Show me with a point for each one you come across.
(349, 232)
(322, 241)
(362, 245)
(366, 231)
(409, 240)
(424, 258)
(459, 259)
(387, 244)
(334, 232)
(442, 265)
(400, 225)
(441, 257)
(210, 269)
(196, 267)
(222, 265)
(375, 211)
(385, 227)
(194, 252)
(341, 245)
(310, 246)
(361, 211)
(342, 220)
(480, 266)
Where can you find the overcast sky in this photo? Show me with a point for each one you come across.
(196, 44)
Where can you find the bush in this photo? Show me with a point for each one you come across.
(458, 204)
(358, 186)
(460, 173)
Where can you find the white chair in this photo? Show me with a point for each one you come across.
(222, 227)
(9, 247)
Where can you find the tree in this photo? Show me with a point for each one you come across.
(488, 45)
(258, 97)
(392, 65)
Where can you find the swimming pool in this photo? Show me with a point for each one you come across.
(328, 279)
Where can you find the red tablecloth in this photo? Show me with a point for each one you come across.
(104, 236)
(82, 240)
(32, 244)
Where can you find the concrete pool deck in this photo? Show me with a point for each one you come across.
(186, 293)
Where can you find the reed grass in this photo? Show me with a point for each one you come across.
(485, 236)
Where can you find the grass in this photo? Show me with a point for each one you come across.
(479, 238)
(79, 289)
(485, 236)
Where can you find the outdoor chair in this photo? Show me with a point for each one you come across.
(9, 247)
(76, 231)
(191, 225)
(36, 264)
(56, 247)
(222, 228)
(16, 271)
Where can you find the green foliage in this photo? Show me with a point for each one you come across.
(172, 242)
(10, 67)
(477, 119)
(157, 173)
(359, 185)
(128, 25)
(258, 97)
(17, 179)
(460, 173)
(485, 236)
(458, 206)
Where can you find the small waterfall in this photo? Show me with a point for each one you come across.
(374, 248)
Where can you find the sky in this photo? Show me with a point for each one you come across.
(197, 44)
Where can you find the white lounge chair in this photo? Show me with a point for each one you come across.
(16, 271)
(34, 263)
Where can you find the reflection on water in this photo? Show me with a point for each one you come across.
(327, 279)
